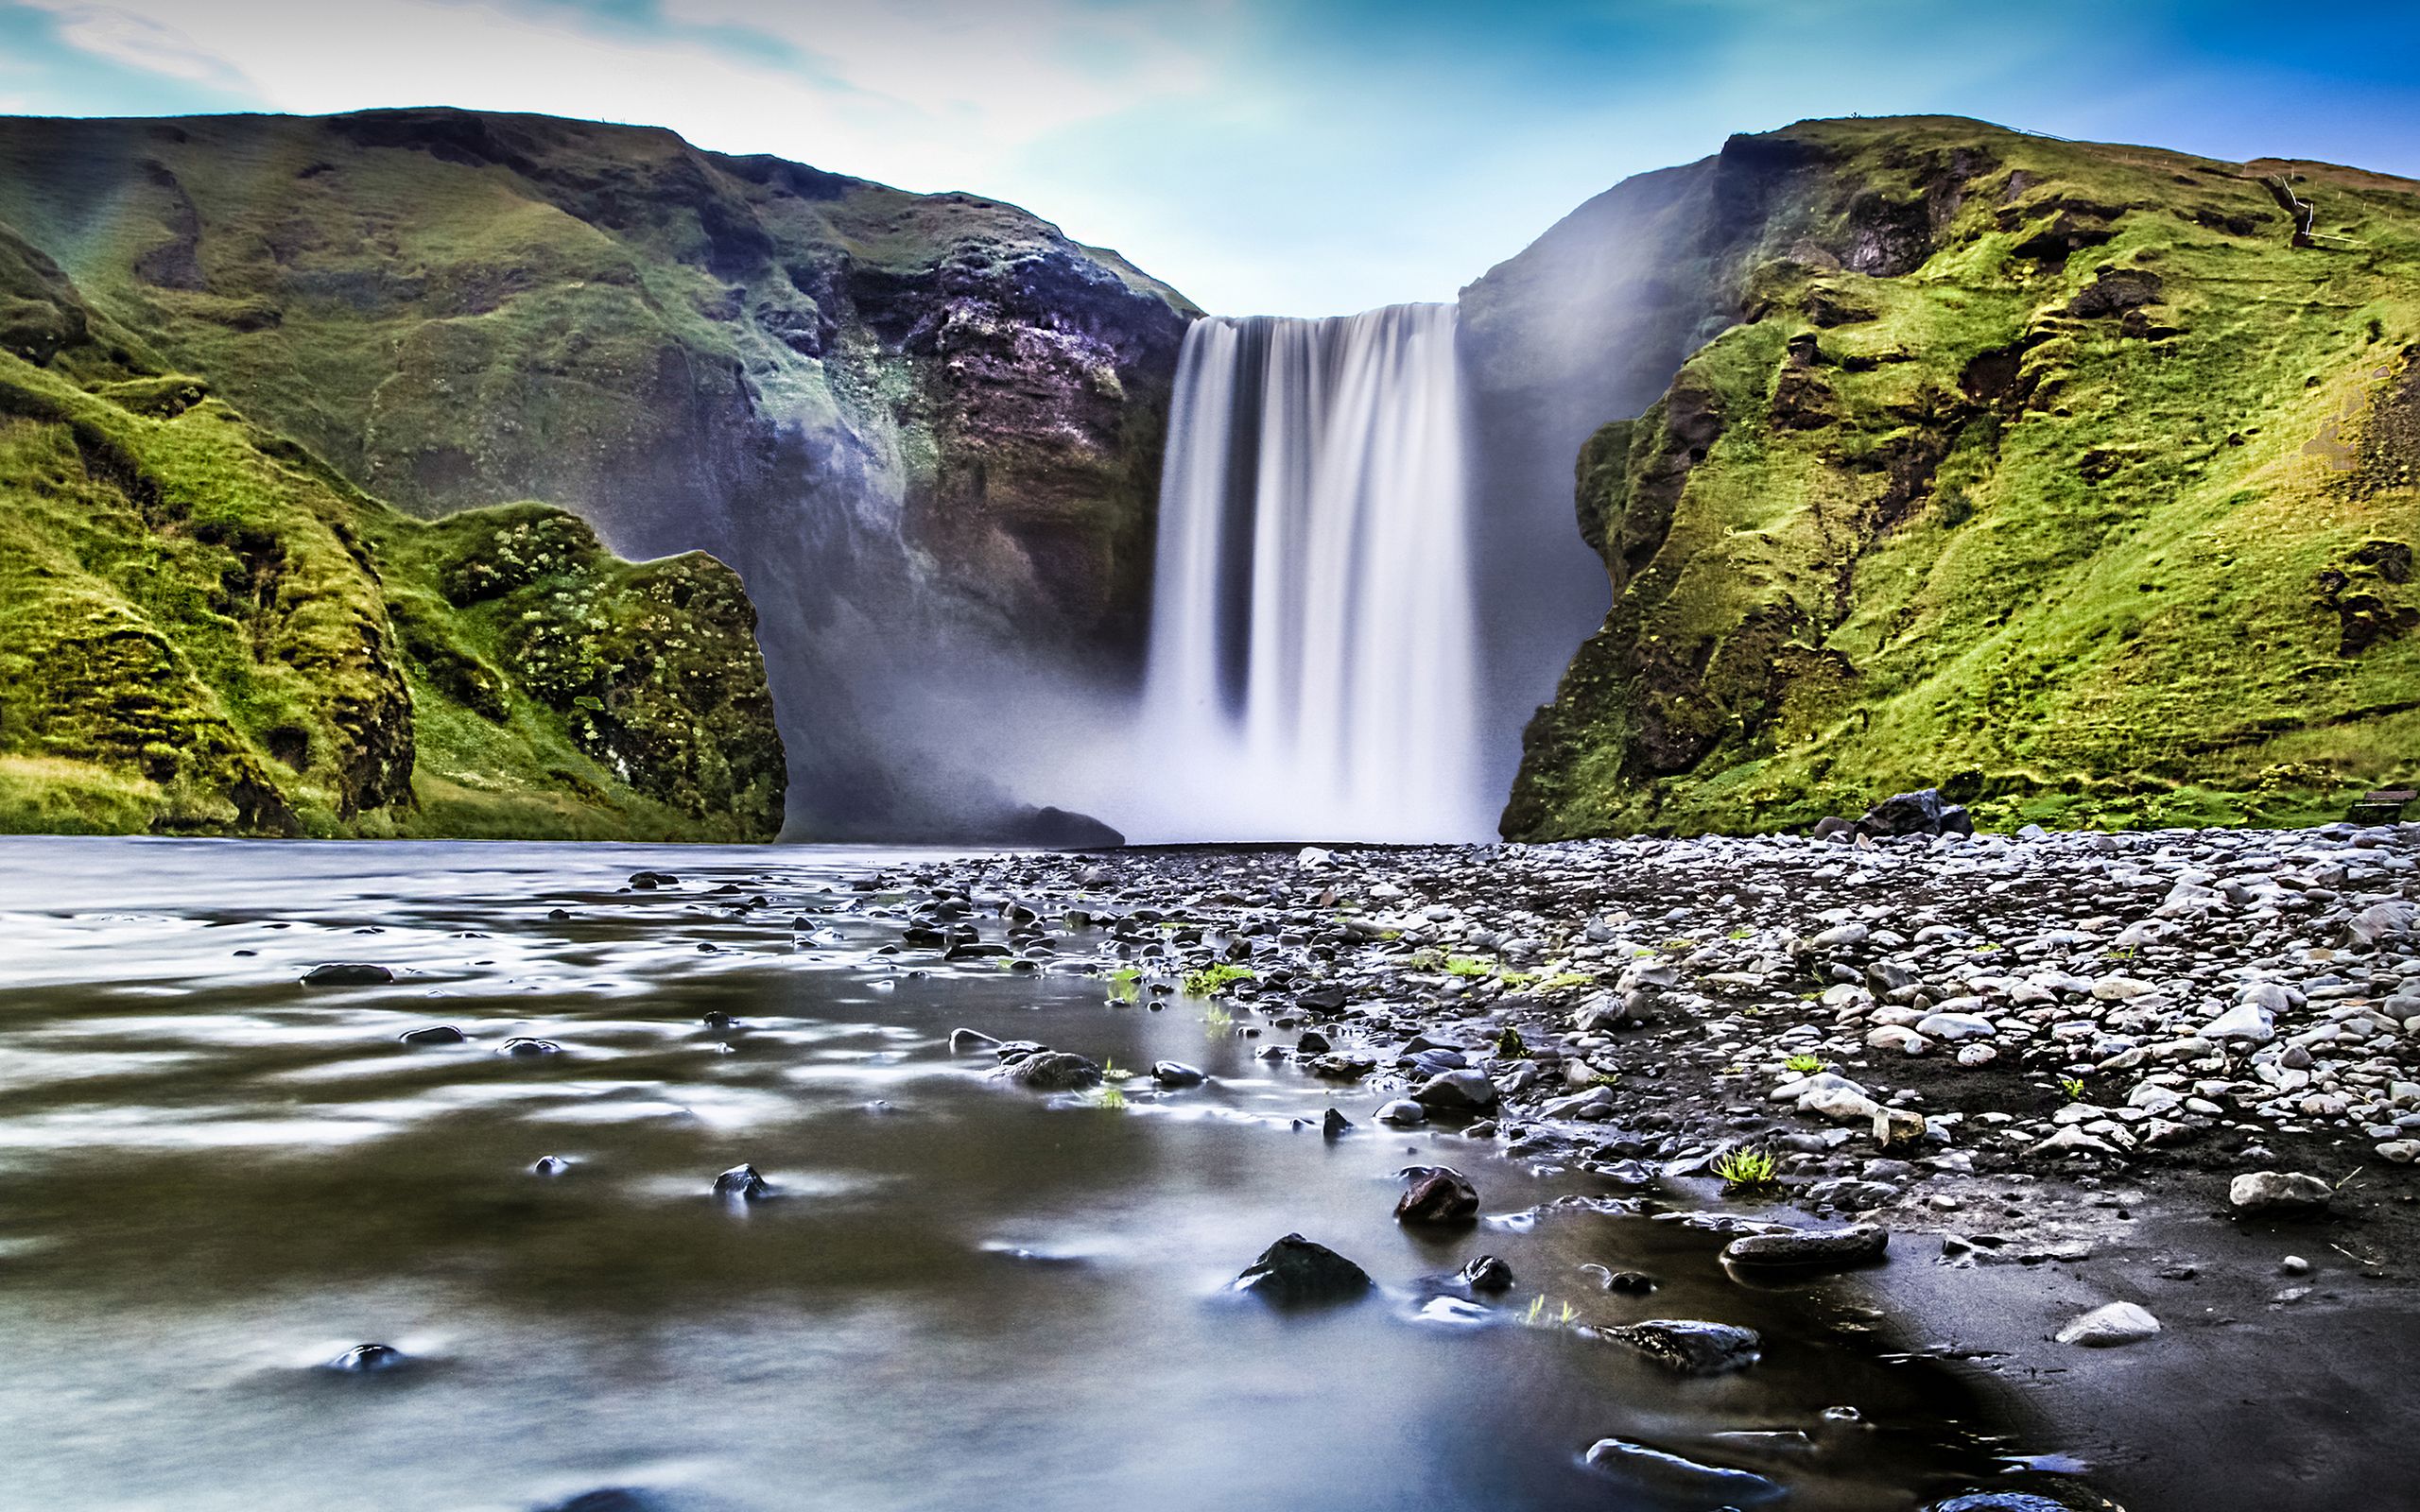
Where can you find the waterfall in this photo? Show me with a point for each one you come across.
(1313, 666)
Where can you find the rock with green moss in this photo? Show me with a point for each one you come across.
(2060, 475)
(204, 629)
(928, 421)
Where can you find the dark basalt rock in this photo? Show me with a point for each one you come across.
(1688, 1346)
(1177, 1073)
(1295, 1272)
(1804, 1249)
(550, 1165)
(1437, 1194)
(369, 1359)
(1333, 1124)
(1057, 829)
(608, 1499)
(436, 1033)
(650, 881)
(1327, 998)
(525, 1045)
(347, 973)
(1049, 1071)
(742, 1181)
(1487, 1274)
(1922, 812)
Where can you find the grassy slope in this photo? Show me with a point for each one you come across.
(207, 629)
(458, 309)
(2136, 565)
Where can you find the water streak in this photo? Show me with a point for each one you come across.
(1313, 668)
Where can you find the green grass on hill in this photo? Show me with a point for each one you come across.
(204, 628)
(2094, 500)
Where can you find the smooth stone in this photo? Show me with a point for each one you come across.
(1438, 1194)
(1457, 1091)
(2278, 1192)
(1403, 1113)
(347, 973)
(742, 1181)
(1333, 1124)
(1177, 1073)
(1668, 1478)
(1956, 1026)
(1808, 1248)
(2245, 1021)
(2106, 1327)
(550, 1165)
(436, 1033)
(1296, 1272)
(369, 1359)
(524, 1046)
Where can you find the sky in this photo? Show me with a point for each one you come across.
(1289, 157)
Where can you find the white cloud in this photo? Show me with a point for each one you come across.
(126, 35)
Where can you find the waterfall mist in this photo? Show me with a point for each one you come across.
(1313, 664)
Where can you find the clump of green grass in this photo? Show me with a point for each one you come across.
(2073, 1088)
(1112, 1098)
(1125, 984)
(1804, 1064)
(1468, 966)
(1215, 980)
(1511, 1046)
(1747, 1169)
(1216, 1020)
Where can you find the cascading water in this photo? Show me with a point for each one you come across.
(1312, 671)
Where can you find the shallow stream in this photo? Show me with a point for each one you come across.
(214, 1180)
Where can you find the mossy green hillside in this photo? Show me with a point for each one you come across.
(204, 628)
(2054, 473)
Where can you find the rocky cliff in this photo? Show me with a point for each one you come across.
(2078, 478)
(926, 429)
(204, 628)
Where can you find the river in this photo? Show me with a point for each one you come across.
(214, 1180)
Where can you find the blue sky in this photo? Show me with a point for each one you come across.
(1263, 156)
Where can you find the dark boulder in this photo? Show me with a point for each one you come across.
(525, 1045)
(1057, 829)
(369, 1359)
(742, 1181)
(1438, 1194)
(1922, 812)
(1177, 1073)
(347, 973)
(1049, 1071)
(550, 1165)
(650, 881)
(436, 1033)
(1333, 1124)
(1688, 1346)
(1295, 1272)
(1487, 1274)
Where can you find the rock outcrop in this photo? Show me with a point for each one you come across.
(924, 429)
(2056, 472)
(203, 628)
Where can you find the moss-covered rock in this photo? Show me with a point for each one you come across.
(2056, 473)
(203, 628)
(901, 416)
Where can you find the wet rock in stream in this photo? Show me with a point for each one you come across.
(369, 1359)
(1669, 1478)
(1297, 1272)
(743, 1183)
(1688, 1346)
(347, 973)
(1437, 1194)
(436, 1033)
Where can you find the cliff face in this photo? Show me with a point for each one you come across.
(2069, 477)
(204, 628)
(908, 420)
